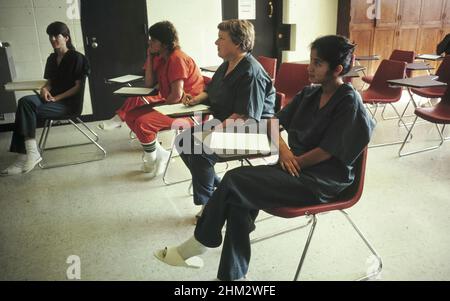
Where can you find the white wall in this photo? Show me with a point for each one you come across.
(196, 22)
(311, 19)
(23, 24)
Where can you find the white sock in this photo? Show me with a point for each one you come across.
(191, 247)
(161, 150)
(150, 157)
(32, 149)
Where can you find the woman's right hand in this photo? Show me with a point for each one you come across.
(288, 162)
(189, 100)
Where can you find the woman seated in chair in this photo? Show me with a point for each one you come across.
(328, 128)
(176, 73)
(239, 90)
(65, 72)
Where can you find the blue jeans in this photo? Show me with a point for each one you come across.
(29, 109)
(200, 164)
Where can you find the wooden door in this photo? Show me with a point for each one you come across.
(388, 14)
(446, 19)
(409, 12)
(431, 15)
(385, 31)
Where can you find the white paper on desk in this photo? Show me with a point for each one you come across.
(428, 56)
(125, 78)
(180, 108)
(239, 142)
(25, 85)
(134, 91)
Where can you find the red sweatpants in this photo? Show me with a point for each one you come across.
(135, 102)
(146, 122)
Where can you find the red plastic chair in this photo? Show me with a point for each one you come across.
(270, 65)
(380, 93)
(346, 78)
(291, 79)
(348, 198)
(396, 55)
(443, 72)
(439, 114)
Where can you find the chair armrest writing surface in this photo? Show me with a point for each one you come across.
(134, 91)
(125, 79)
(418, 82)
(25, 85)
(209, 68)
(367, 57)
(181, 110)
(429, 57)
(418, 66)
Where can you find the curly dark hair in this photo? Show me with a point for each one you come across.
(166, 33)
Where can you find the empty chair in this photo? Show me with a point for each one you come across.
(438, 114)
(380, 93)
(443, 73)
(396, 55)
(270, 65)
(291, 79)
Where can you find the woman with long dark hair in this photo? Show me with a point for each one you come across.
(65, 72)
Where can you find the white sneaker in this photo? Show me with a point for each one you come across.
(30, 164)
(148, 166)
(109, 125)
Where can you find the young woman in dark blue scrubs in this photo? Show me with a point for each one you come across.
(328, 128)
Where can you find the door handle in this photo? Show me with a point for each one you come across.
(270, 9)
(94, 43)
(91, 42)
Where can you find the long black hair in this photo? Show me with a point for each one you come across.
(335, 50)
(57, 28)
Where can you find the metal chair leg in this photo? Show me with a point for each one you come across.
(409, 135)
(305, 249)
(44, 137)
(441, 136)
(371, 248)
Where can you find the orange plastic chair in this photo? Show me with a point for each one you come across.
(348, 198)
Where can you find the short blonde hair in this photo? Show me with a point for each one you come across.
(241, 32)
